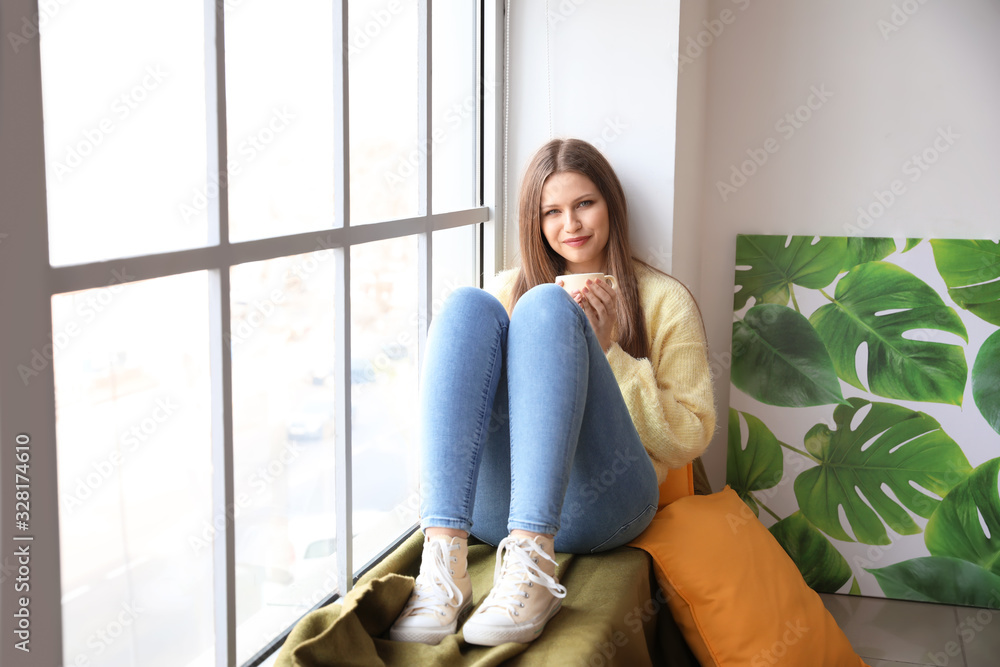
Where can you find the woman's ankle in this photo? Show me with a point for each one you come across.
(436, 531)
(529, 535)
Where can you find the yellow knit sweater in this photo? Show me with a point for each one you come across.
(669, 395)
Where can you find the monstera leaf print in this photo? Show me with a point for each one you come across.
(986, 380)
(940, 579)
(772, 267)
(966, 524)
(971, 270)
(861, 250)
(821, 565)
(876, 304)
(864, 249)
(892, 446)
(780, 360)
(757, 467)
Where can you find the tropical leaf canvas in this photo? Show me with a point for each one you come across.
(864, 421)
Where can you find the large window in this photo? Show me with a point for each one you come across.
(253, 210)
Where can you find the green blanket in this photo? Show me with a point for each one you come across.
(613, 614)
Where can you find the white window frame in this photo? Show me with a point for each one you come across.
(28, 282)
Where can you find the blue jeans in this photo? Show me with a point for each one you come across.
(523, 426)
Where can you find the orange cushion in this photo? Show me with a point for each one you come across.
(737, 596)
(678, 483)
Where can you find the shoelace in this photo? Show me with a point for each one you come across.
(434, 587)
(516, 565)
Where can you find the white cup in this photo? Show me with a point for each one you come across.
(577, 281)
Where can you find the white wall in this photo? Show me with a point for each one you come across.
(612, 80)
(890, 94)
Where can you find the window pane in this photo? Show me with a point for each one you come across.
(454, 122)
(134, 460)
(454, 262)
(123, 84)
(383, 392)
(279, 76)
(382, 54)
(283, 426)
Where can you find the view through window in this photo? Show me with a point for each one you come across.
(129, 119)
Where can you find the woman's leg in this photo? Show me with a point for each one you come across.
(461, 372)
(492, 503)
(463, 366)
(612, 494)
(576, 458)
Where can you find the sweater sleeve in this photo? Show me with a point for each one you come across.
(669, 395)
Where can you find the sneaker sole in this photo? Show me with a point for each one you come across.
(430, 636)
(494, 636)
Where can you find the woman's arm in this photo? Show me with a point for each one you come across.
(669, 395)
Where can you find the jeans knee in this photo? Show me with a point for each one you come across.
(474, 302)
(546, 299)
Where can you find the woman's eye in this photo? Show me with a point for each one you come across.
(551, 211)
(585, 202)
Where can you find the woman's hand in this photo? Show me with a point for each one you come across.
(600, 303)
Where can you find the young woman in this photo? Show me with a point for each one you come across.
(549, 419)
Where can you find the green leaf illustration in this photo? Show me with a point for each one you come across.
(774, 267)
(940, 579)
(971, 270)
(821, 565)
(892, 446)
(876, 304)
(911, 244)
(986, 380)
(955, 530)
(855, 588)
(780, 360)
(757, 467)
(861, 250)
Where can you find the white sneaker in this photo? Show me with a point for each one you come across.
(525, 594)
(442, 594)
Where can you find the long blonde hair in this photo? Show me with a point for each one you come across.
(541, 264)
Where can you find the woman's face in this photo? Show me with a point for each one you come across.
(575, 221)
